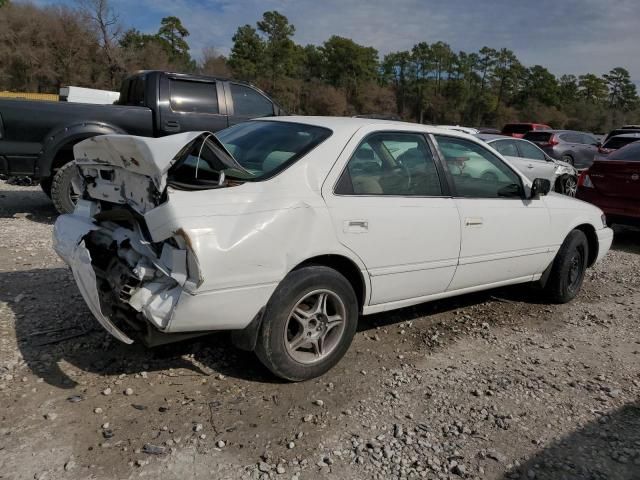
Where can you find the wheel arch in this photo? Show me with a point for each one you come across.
(592, 240)
(346, 267)
(63, 139)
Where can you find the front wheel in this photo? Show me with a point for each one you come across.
(569, 266)
(568, 185)
(308, 323)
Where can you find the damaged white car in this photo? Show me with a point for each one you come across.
(285, 230)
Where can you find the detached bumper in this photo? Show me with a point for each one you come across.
(68, 242)
(605, 239)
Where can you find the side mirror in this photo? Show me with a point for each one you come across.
(540, 186)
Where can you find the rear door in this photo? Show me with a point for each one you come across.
(193, 105)
(389, 205)
(534, 162)
(619, 174)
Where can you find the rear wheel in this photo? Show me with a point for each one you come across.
(308, 323)
(63, 194)
(569, 266)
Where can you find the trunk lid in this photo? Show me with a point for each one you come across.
(135, 171)
(616, 178)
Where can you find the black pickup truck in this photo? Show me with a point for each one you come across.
(37, 138)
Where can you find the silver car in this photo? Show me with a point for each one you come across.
(535, 163)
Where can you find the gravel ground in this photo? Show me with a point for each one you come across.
(492, 385)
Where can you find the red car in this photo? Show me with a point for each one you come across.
(613, 184)
(519, 129)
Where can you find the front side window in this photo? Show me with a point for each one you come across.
(476, 172)
(506, 147)
(193, 97)
(248, 102)
(390, 163)
(528, 150)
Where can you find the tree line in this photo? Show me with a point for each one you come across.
(43, 48)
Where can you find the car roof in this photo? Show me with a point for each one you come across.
(355, 123)
(627, 135)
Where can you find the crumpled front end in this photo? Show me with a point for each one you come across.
(124, 278)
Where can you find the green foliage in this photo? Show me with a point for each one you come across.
(42, 48)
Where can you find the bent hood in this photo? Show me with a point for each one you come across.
(151, 157)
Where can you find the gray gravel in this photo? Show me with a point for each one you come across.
(495, 385)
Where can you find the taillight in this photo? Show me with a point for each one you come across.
(584, 180)
(605, 151)
(553, 141)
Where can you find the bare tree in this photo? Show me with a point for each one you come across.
(214, 63)
(107, 23)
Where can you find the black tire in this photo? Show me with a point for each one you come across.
(271, 347)
(569, 266)
(62, 193)
(568, 159)
(567, 185)
(45, 185)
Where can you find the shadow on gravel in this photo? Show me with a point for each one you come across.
(53, 325)
(604, 449)
(626, 239)
(27, 203)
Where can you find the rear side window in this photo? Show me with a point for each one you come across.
(542, 137)
(193, 97)
(506, 147)
(134, 92)
(630, 153)
(248, 102)
(619, 142)
(516, 128)
(571, 137)
(391, 163)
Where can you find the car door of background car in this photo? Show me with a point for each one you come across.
(534, 163)
(586, 151)
(390, 206)
(504, 237)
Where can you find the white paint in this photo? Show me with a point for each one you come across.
(236, 244)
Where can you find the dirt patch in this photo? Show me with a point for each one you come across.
(491, 385)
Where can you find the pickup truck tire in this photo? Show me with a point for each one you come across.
(569, 266)
(308, 323)
(62, 194)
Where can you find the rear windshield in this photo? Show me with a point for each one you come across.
(517, 128)
(629, 153)
(538, 136)
(619, 142)
(265, 148)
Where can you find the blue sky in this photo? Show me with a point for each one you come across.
(566, 36)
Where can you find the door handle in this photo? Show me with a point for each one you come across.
(356, 226)
(172, 126)
(471, 222)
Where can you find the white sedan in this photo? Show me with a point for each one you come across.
(286, 230)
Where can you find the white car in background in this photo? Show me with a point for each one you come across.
(286, 230)
(535, 163)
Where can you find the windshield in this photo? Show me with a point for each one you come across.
(619, 142)
(264, 148)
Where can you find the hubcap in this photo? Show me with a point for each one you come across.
(570, 187)
(575, 269)
(315, 326)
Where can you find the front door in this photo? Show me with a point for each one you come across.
(504, 237)
(533, 162)
(389, 206)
